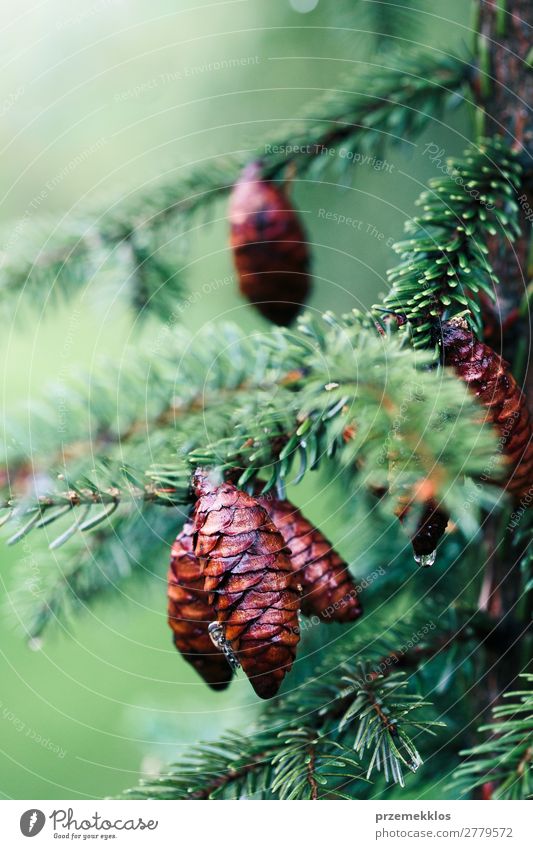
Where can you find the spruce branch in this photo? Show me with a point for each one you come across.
(303, 744)
(505, 758)
(89, 505)
(445, 266)
(381, 23)
(311, 766)
(379, 105)
(389, 20)
(350, 377)
(332, 396)
(234, 768)
(122, 551)
(407, 420)
(93, 419)
(139, 242)
(295, 764)
(383, 712)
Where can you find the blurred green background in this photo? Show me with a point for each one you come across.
(118, 92)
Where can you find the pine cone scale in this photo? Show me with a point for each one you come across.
(488, 377)
(254, 594)
(190, 614)
(328, 588)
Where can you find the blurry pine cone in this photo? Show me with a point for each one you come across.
(486, 790)
(432, 521)
(190, 614)
(487, 375)
(430, 528)
(328, 590)
(269, 247)
(250, 579)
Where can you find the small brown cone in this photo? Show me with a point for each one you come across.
(488, 377)
(328, 590)
(250, 580)
(431, 525)
(190, 614)
(269, 247)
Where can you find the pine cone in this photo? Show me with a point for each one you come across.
(488, 377)
(250, 580)
(190, 614)
(328, 589)
(430, 528)
(269, 247)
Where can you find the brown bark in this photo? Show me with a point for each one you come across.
(504, 41)
(507, 100)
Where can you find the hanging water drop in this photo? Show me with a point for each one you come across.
(425, 560)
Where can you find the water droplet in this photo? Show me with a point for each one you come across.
(304, 6)
(35, 643)
(425, 560)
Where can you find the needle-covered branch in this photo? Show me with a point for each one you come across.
(137, 245)
(503, 763)
(124, 550)
(308, 744)
(407, 420)
(445, 264)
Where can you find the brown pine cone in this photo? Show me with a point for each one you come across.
(269, 247)
(328, 590)
(489, 378)
(250, 580)
(190, 614)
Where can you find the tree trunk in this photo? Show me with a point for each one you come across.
(505, 94)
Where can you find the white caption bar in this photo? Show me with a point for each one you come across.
(328, 824)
